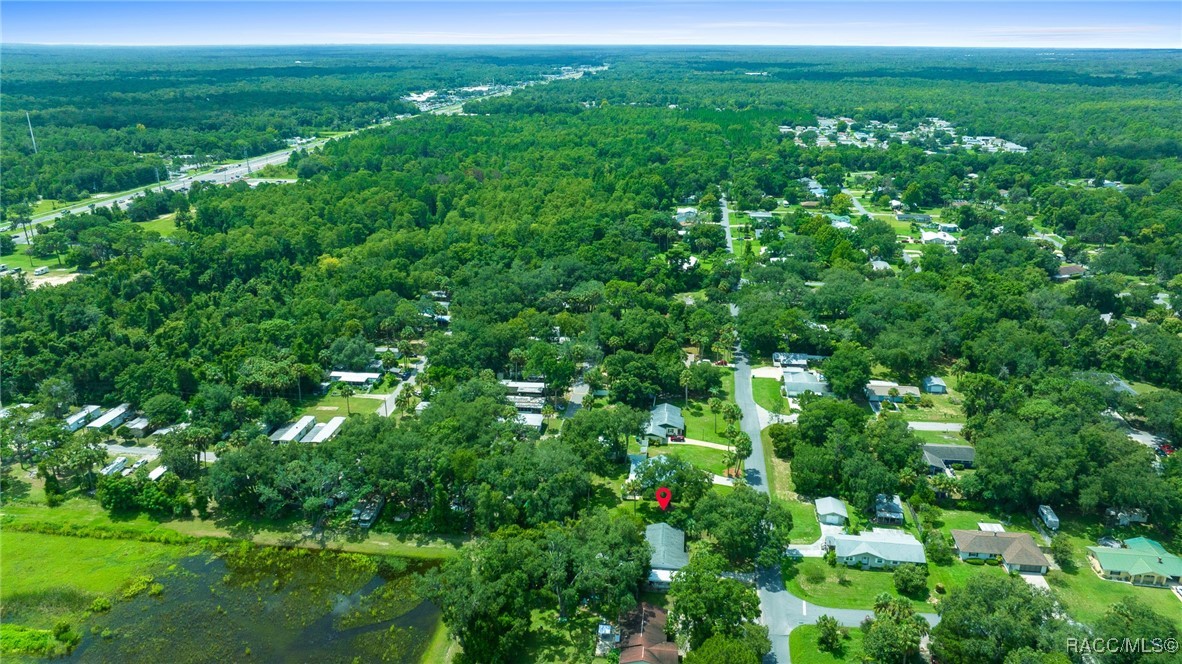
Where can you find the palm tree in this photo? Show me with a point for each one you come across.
(346, 390)
(743, 448)
(685, 378)
(715, 405)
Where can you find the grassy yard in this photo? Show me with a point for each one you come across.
(943, 410)
(1087, 597)
(802, 643)
(572, 640)
(706, 458)
(940, 437)
(329, 406)
(700, 422)
(849, 588)
(767, 394)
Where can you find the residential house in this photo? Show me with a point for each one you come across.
(831, 511)
(940, 458)
(665, 420)
(797, 380)
(533, 421)
(323, 432)
(1018, 551)
(112, 418)
(686, 215)
(878, 548)
(937, 237)
(809, 204)
(526, 404)
(139, 427)
(843, 225)
(888, 510)
(294, 431)
(355, 378)
(1144, 562)
(1048, 516)
(779, 359)
(918, 218)
(669, 554)
(157, 473)
(760, 216)
(935, 385)
(881, 266)
(525, 387)
(1066, 272)
(644, 640)
(82, 417)
(878, 391)
(947, 228)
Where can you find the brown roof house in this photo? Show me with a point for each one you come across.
(1018, 551)
(644, 640)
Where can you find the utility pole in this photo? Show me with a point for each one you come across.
(31, 136)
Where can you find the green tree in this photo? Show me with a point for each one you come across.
(894, 634)
(164, 410)
(911, 580)
(1063, 552)
(56, 395)
(989, 617)
(1132, 619)
(746, 524)
(705, 605)
(847, 369)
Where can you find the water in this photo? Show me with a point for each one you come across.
(270, 605)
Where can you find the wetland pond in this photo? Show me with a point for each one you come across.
(262, 604)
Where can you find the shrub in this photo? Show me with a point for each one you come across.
(940, 590)
(911, 580)
(814, 575)
(993, 561)
(829, 634)
(100, 605)
(975, 561)
(831, 557)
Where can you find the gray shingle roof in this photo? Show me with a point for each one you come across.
(1014, 548)
(668, 546)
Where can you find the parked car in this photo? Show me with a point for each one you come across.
(1168, 449)
(677, 439)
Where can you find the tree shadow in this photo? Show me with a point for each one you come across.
(13, 488)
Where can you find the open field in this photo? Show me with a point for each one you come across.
(29, 263)
(803, 644)
(805, 528)
(165, 226)
(332, 405)
(706, 458)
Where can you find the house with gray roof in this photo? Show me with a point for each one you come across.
(797, 380)
(935, 385)
(888, 510)
(877, 548)
(669, 554)
(831, 511)
(942, 457)
(878, 391)
(663, 421)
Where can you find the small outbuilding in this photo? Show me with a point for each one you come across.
(935, 385)
(831, 511)
(1048, 516)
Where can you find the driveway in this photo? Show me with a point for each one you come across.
(936, 426)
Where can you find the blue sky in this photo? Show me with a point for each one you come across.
(986, 23)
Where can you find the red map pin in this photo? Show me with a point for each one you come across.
(664, 495)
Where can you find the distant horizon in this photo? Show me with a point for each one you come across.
(970, 24)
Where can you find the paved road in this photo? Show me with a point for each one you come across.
(936, 426)
(387, 407)
(857, 203)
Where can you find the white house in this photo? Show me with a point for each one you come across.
(323, 432)
(878, 548)
(112, 418)
(295, 431)
(937, 237)
(139, 427)
(359, 378)
(79, 419)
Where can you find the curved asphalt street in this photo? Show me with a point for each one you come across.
(782, 611)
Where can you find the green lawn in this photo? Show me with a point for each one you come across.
(805, 528)
(942, 410)
(20, 259)
(814, 580)
(700, 422)
(706, 458)
(165, 226)
(552, 640)
(802, 643)
(767, 394)
(332, 405)
(940, 437)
